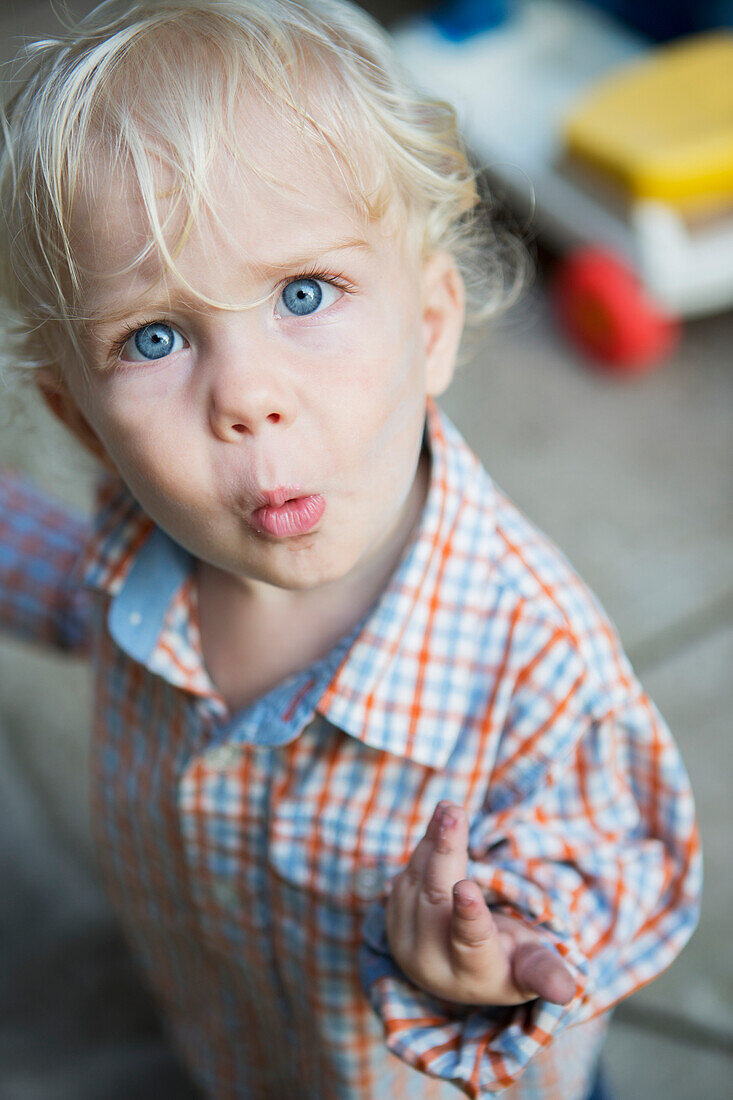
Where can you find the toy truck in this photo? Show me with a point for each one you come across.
(621, 151)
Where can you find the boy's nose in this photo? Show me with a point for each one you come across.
(239, 408)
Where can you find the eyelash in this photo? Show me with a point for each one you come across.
(334, 278)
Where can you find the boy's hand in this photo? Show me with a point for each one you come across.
(446, 940)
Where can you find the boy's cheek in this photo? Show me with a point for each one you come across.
(64, 408)
(124, 411)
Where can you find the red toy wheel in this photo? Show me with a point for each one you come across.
(605, 311)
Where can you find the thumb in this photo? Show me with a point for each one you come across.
(539, 971)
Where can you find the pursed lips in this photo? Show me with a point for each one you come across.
(274, 498)
(287, 512)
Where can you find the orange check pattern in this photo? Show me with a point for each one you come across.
(248, 855)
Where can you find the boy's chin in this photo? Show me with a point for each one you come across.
(300, 573)
(309, 580)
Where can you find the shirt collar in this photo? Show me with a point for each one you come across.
(402, 685)
(149, 579)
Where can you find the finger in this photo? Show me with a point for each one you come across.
(403, 900)
(447, 857)
(538, 970)
(477, 951)
(472, 924)
(414, 872)
(446, 863)
(487, 955)
(402, 903)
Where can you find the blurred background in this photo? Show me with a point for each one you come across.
(623, 457)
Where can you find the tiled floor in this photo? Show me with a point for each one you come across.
(633, 480)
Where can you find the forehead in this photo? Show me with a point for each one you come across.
(277, 192)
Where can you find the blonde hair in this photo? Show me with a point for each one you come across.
(157, 83)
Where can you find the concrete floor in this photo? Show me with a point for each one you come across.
(633, 480)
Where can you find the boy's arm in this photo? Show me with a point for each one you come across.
(41, 544)
(589, 837)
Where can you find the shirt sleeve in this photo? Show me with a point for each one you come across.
(41, 546)
(589, 835)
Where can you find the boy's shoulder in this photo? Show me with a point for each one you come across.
(492, 530)
(559, 602)
(530, 563)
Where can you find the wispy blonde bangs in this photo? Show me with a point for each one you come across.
(158, 87)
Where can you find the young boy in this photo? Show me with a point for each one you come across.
(371, 773)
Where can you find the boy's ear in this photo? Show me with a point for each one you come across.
(444, 312)
(58, 399)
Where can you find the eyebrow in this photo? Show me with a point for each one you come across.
(294, 263)
(152, 302)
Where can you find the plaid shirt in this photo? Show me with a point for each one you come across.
(248, 855)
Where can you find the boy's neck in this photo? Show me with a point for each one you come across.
(256, 635)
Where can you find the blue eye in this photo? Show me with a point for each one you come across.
(304, 296)
(153, 341)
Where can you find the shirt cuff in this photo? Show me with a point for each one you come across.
(481, 1050)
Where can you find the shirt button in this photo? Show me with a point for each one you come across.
(369, 881)
(223, 757)
(224, 893)
(135, 618)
